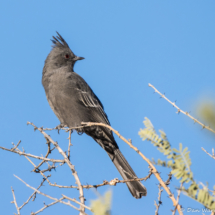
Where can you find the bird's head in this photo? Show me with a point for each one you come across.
(61, 55)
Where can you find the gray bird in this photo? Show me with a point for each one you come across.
(73, 102)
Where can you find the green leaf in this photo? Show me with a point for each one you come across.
(184, 178)
(185, 149)
(201, 195)
(180, 147)
(169, 156)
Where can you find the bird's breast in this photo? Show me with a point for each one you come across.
(62, 97)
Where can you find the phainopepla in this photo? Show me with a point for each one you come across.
(73, 102)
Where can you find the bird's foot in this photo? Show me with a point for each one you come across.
(59, 127)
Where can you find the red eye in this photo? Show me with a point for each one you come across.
(66, 56)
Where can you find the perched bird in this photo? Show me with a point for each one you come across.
(73, 102)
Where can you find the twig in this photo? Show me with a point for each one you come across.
(116, 181)
(32, 195)
(46, 206)
(81, 192)
(179, 193)
(14, 201)
(74, 200)
(33, 156)
(66, 203)
(47, 154)
(159, 199)
(50, 167)
(15, 146)
(42, 172)
(113, 182)
(167, 182)
(70, 144)
(155, 172)
(179, 110)
(213, 155)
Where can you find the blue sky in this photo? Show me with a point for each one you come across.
(126, 45)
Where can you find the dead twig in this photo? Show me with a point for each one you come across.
(155, 172)
(47, 154)
(14, 201)
(15, 146)
(74, 200)
(33, 156)
(70, 144)
(159, 200)
(179, 193)
(213, 155)
(181, 111)
(46, 206)
(33, 194)
(55, 199)
(80, 188)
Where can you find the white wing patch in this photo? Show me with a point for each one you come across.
(89, 102)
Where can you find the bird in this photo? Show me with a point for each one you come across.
(74, 102)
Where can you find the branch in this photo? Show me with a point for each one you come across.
(47, 154)
(46, 206)
(179, 110)
(116, 181)
(15, 146)
(41, 172)
(14, 201)
(179, 193)
(74, 200)
(159, 199)
(66, 203)
(32, 195)
(213, 155)
(70, 144)
(81, 192)
(155, 172)
(33, 156)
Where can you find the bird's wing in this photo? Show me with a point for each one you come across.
(90, 100)
(94, 110)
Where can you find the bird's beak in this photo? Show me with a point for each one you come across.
(78, 58)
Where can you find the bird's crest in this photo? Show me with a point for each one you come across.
(58, 41)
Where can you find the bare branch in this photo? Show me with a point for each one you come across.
(213, 155)
(33, 194)
(74, 200)
(70, 144)
(15, 146)
(179, 193)
(66, 203)
(167, 182)
(181, 111)
(33, 156)
(159, 199)
(47, 154)
(155, 172)
(14, 201)
(81, 192)
(46, 206)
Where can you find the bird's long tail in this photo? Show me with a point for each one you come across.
(110, 146)
(136, 188)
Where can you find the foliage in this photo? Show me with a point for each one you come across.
(206, 110)
(102, 205)
(179, 161)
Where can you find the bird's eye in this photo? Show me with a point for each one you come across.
(66, 56)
